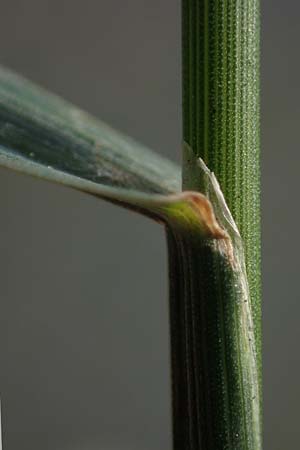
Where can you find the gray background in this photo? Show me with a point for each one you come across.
(83, 322)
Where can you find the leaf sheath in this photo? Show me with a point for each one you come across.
(215, 384)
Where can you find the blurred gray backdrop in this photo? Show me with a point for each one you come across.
(83, 319)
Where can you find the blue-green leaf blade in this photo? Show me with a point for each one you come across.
(44, 136)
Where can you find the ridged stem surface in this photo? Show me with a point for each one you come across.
(215, 326)
(221, 112)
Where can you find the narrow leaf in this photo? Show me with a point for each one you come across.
(44, 136)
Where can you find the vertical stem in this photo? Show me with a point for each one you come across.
(221, 114)
(215, 326)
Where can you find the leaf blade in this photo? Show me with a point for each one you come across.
(41, 127)
(43, 136)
